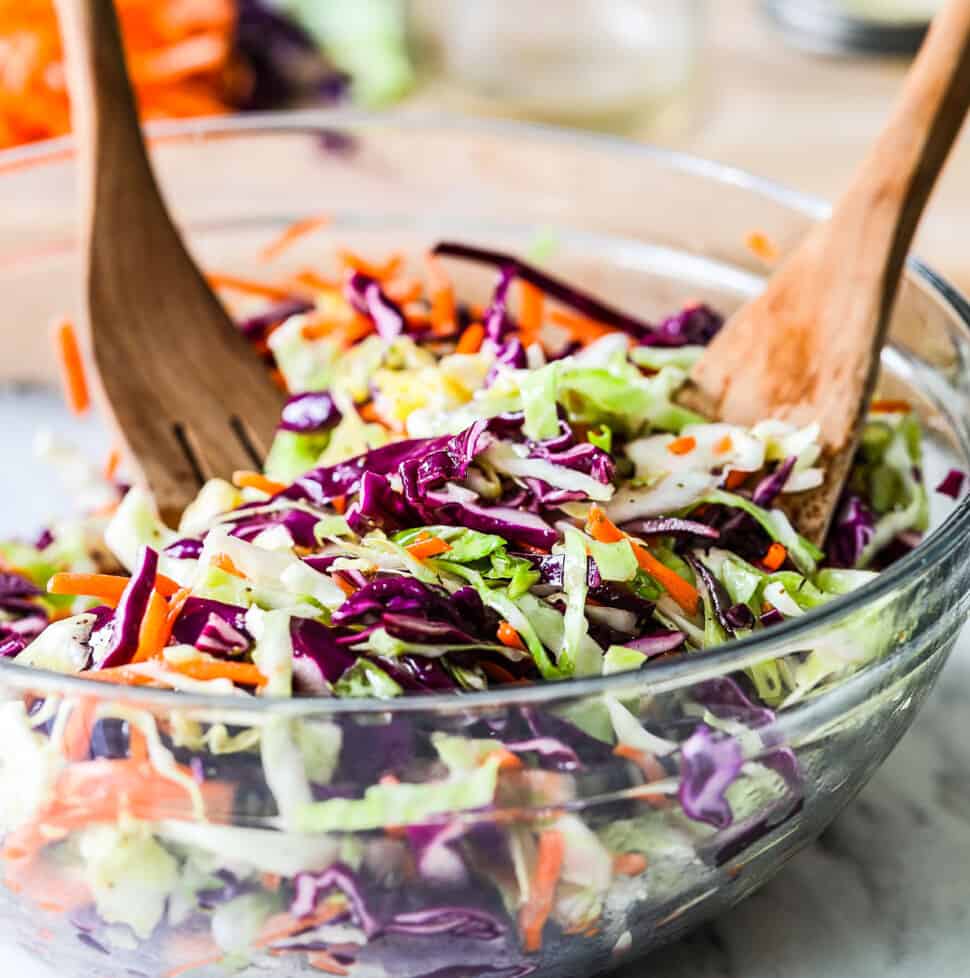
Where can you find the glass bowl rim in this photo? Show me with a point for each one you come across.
(952, 533)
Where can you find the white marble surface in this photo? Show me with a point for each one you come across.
(885, 893)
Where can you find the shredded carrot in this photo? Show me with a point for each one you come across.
(430, 547)
(775, 557)
(723, 446)
(289, 236)
(471, 339)
(442, 293)
(225, 563)
(137, 745)
(368, 413)
(542, 892)
(322, 961)
(500, 674)
(77, 732)
(240, 673)
(404, 291)
(249, 286)
(111, 465)
(117, 675)
(106, 587)
(761, 246)
(339, 504)
(270, 881)
(313, 280)
(343, 584)
(601, 528)
(735, 479)
(581, 329)
(256, 480)
(682, 445)
(360, 327)
(317, 328)
(281, 926)
(890, 407)
(152, 629)
(629, 863)
(175, 606)
(683, 592)
(279, 381)
(184, 969)
(507, 635)
(355, 263)
(72, 367)
(507, 761)
(531, 309)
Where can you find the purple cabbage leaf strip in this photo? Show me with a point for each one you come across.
(771, 486)
(218, 637)
(299, 523)
(310, 413)
(709, 766)
(365, 295)
(255, 327)
(130, 612)
(196, 614)
(952, 484)
(309, 887)
(319, 660)
(17, 586)
(854, 528)
(657, 644)
(694, 325)
(436, 857)
(555, 288)
(497, 320)
(720, 601)
(727, 701)
(671, 526)
(185, 549)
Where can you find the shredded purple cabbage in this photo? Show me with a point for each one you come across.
(131, 610)
(952, 484)
(310, 413)
(709, 766)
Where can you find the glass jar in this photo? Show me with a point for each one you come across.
(605, 64)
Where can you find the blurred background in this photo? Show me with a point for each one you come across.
(790, 89)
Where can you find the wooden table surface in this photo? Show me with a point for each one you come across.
(805, 120)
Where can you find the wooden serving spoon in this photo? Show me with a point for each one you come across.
(807, 349)
(190, 398)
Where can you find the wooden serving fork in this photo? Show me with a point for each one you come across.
(190, 398)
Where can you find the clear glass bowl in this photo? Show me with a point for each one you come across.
(648, 229)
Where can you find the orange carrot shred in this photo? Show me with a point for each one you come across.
(723, 446)
(107, 587)
(289, 236)
(683, 592)
(240, 673)
(629, 863)
(322, 961)
(368, 413)
(775, 557)
(281, 926)
(256, 480)
(380, 272)
(225, 563)
(531, 309)
(890, 407)
(535, 913)
(442, 292)
(264, 290)
(682, 445)
(175, 606)
(72, 367)
(735, 479)
(152, 628)
(581, 328)
(404, 291)
(761, 246)
(343, 584)
(111, 464)
(508, 636)
(77, 732)
(339, 504)
(471, 339)
(431, 547)
(312, 280)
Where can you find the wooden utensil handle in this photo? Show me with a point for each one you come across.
(895, 180)
(103, 107)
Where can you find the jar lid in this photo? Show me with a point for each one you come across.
(825, 27)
